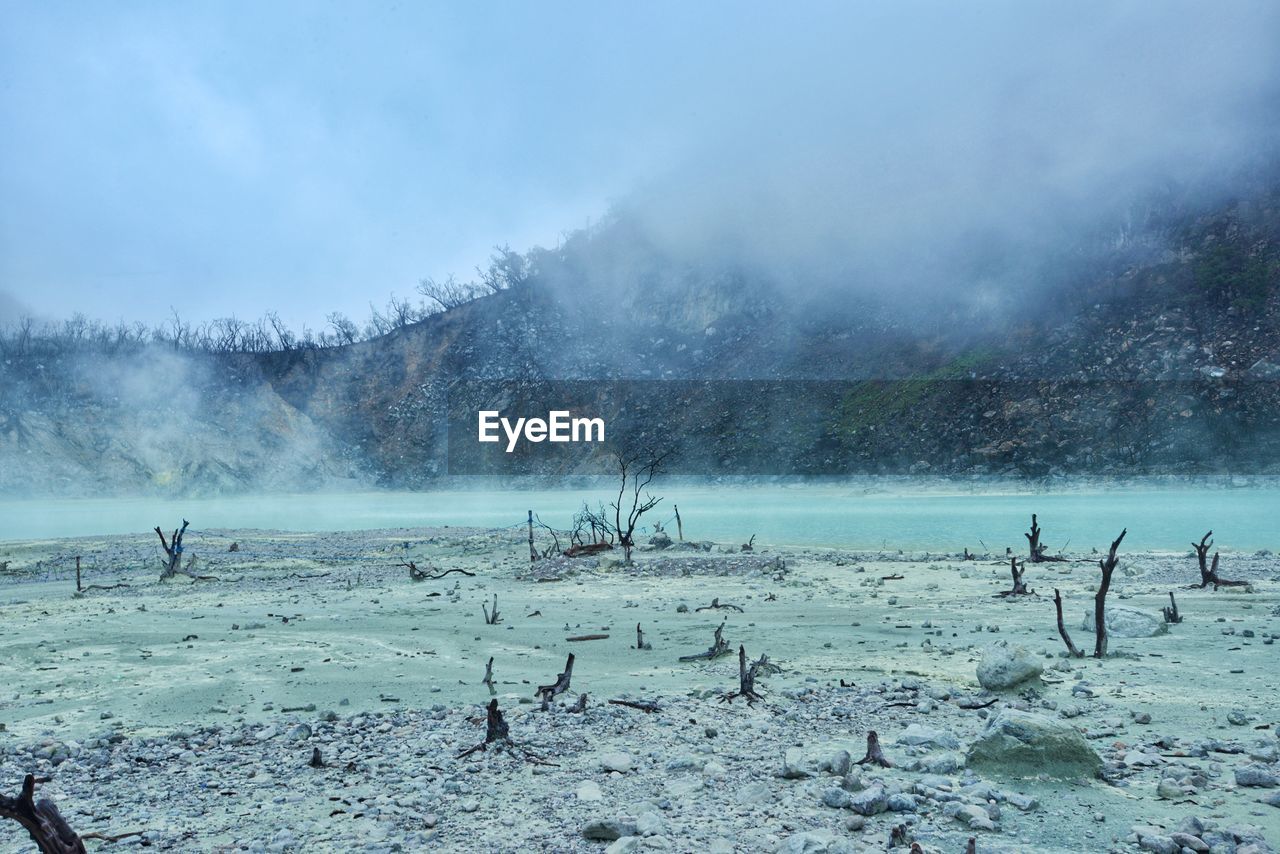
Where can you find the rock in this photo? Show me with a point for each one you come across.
(660, 540)
(1124, 622)
(870, 801)
(623, 845)
(755, 793)
(714, 770)
(835, 797)
(1158, 843)
(650, 824)
(1025, 743)
(837, 763)
(300, 732)
(793, 765)
(970, 815)
(1169, 790)
(608, 829)
(923, 735)
(1256, 775)
(1186, 840)
(1005, 666)
(589, 790)
(814, 842)
(620, 762)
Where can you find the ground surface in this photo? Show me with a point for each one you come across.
(190, 710)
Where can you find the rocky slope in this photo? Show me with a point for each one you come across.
(1156, 349)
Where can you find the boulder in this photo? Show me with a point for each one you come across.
(1024, 743)
(919, 735)
(1125, 622)
(1004, 666)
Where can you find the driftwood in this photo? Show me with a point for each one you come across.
(640, 641)
(716, 606)
(49, 830)
(1037, 548)
(497, 732)
(577, 638)
(749, 545)
(416, 574)
(646, 706)
(747, 677)
(1019, 586)
(1209, 573)
(1108, 566)
(580, 707)
(1072, 649)
(1170, 611)
(491, 619)
(718, 648)
(875, 755)
(548, 692)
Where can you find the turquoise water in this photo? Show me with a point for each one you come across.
(918, 516)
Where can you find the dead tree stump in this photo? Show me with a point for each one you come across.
(491, 618)
(1170, 611)
(875, 755)
(548, 692)
(1108, 566)
(49, 830)
(1019, 586)
(1037, 548)
(747, 677)
(1209, 573)
(718, 648)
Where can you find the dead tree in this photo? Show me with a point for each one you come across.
(78, 587)
(491, 618)
(749, 545)
(1072, 649)
(497, 732)
(718, 648)
(487, 681)
(49, 830)
(547, 693)
(640, 642)
(172, 550)
(1038, 548)
(1170, 611)
(533, 553)
(1209, 573)
(591, 532)
(1019, 586)
(875, 755)
(636, 472)
(716, 606)
(679, 523)
(747, 677)
(1108, 566)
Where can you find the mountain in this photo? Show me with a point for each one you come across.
(1152, 345)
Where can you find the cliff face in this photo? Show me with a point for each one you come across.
(1161, 352)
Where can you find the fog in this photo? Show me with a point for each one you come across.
(175, 158)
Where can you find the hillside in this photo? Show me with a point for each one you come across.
(1155, 349)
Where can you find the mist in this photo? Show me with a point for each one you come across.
(171, 159)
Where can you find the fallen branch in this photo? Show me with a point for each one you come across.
(48, 829)
(716, 606)
(646, 706)
(576, 638)
(416, 574)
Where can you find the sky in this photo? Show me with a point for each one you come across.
(233, 158)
